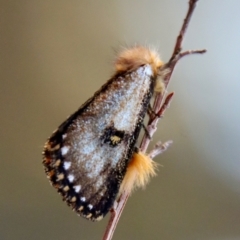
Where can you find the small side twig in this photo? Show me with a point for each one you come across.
(165, 105)
(159, 107)
(159, 148)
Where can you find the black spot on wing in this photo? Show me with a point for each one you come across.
(113, 136)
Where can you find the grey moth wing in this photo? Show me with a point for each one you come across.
(87, 156)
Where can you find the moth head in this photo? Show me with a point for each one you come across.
(132, 58)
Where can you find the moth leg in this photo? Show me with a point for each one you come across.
(136, 149)
(151, 113)
(146, 131)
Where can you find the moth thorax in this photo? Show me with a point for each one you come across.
(132, 58)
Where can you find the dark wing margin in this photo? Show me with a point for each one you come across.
(87, 156)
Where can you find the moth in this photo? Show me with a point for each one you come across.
(92, 158)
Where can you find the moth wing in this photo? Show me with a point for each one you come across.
(86, 158)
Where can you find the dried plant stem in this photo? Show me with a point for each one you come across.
(159, 148)
(160, 105)
(178, 45)
(115, 215)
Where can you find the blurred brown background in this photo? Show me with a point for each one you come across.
(56, 54)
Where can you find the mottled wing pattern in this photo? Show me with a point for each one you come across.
(87, 156)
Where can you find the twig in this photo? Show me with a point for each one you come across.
(170, 65)
(159, 148)
(178, 45)
(190, 52)
(165, 105)
(159, 107)
(115, 215)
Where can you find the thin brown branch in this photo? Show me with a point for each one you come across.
(159, 107)
(115, 215)
(178, 45)
(176, 52)
(170, 65)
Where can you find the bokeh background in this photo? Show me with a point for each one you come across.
(55, 54)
